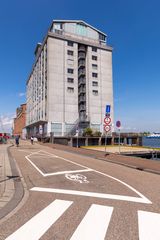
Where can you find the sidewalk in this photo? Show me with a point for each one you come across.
(6, 182)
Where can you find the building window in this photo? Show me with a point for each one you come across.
(70, 62)
(95, 92)
(69, 43)
(102, 37)
(70, 89)
(69, 52)
(94, 66)
(94, 58)
(94, 83)
(94, 49)
(70, 80)
(70, 70)
(95, 75)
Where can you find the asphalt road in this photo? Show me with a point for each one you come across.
(73, 197)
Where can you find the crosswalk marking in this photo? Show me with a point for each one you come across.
(95, 223)
(40, 223)
(93, 226)
(149, 225)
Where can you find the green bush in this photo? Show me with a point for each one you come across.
(88, 132)
(97, 134)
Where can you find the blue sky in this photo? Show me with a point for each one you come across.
(133, 30)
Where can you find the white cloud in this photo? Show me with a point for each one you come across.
(21, 94)
(6, 122)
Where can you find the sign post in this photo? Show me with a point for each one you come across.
(118, 125)
(107, 122)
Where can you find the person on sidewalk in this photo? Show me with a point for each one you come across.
(17, 140)
(32, 139)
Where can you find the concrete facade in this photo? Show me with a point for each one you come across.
(71, 80)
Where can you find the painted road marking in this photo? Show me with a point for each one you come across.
(149, 225)
(86, 169)
(142, 198)
(95, 223)
(40, 223)
(65, 172)
(90, 194)
(77, 178)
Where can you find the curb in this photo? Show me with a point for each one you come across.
(18, 188)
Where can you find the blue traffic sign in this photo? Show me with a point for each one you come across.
(108, 108)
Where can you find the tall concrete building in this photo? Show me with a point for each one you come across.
(71, 80)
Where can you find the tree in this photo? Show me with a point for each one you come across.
(88, 132)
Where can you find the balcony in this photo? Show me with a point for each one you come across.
(81, 90)
(81, 63)
(81, 48)
(82, 108)
(81, 81)
(81, 55)
(82, 99)
(81, 71)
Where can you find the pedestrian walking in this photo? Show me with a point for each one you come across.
(17, 140)
(32, 138)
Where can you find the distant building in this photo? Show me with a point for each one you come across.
(71, 80)
(20, 120)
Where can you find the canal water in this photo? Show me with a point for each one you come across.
(151, 142)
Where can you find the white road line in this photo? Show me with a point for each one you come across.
(41, 152)
(64, 172)
(20, 150)
(56, 173)
(149, 225)
(90, 194)
(35, 166)
(40, 223)
(95, 223)
(145, 200)
(33, 153)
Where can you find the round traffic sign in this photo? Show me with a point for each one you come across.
(118, 124)
(107, 120)
(107, 128)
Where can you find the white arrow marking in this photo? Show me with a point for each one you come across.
(149, 225)
(95, 223)
(40, 223)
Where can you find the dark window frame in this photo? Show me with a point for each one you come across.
(70, 89)
(94, 75)
(95, 84)
(70, 80)
(94, 57)
(70, 43)
(70, 52)
(70, 70)
(94, 49)
(95, 92)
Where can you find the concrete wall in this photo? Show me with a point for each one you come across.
(62, 104)
(96, 104)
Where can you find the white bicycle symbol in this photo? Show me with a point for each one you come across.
(77, 178)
